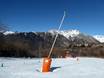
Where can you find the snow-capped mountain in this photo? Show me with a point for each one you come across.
(33, 42)
(8, 32)
(71, 35)
(66, 33)
(99, 38)
(75, 36)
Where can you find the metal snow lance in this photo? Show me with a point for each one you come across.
(47, 61)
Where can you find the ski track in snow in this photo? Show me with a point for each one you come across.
(62, 68)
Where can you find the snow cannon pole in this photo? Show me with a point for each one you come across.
(47, 61)
(56, 35)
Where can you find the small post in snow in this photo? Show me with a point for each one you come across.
(2, 65)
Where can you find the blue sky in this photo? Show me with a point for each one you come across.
(43, 15)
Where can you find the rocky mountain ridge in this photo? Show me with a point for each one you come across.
(35, 44)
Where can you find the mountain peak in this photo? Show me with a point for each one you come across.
(8, 32)
(66, 33)
(99, 38)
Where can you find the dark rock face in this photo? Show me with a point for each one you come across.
(30, 44)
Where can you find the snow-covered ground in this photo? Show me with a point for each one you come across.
(60, 68)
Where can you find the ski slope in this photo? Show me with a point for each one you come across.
(60, 68)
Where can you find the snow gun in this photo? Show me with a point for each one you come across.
(47, 61)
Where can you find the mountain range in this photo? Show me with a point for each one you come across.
(67, 34)
(36, 44)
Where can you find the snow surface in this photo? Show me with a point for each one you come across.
(61, 68)
(99, 37)
(66, 33)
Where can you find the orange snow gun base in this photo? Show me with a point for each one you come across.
(46, 64)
